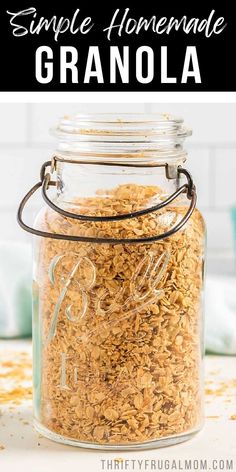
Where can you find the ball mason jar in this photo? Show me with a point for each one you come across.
(118, 285)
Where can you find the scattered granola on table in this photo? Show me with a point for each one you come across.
(120, 323)
(15, 378)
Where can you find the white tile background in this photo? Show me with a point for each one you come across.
(25, 143)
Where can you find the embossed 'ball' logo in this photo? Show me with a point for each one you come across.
(73, 274)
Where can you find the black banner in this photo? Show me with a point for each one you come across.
(116, 46)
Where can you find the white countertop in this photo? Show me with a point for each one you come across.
(22, 448)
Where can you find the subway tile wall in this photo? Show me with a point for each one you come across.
(25, 143)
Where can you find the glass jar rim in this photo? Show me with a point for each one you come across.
(112, 126)
(144, 137)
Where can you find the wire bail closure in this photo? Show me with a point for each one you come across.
(46, 182)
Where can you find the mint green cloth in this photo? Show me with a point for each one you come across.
(220, 313)
(15, 290)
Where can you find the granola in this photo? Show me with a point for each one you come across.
(120, 324)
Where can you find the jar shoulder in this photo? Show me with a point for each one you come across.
(148, 225)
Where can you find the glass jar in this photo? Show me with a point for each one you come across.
(118, 282)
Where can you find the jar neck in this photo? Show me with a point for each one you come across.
(79, 181)
(149, 138)
(96, 152)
